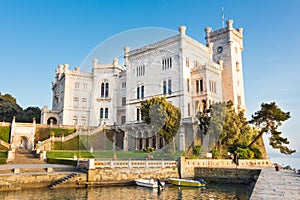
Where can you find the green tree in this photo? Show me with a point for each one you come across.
(9, 109)
(30, 113)
(268, 119)
(230, 129)
(163, 117)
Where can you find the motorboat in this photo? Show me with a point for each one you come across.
(188, 182)
(151, 183)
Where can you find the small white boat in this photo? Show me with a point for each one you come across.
(151, 183)
(188, 183)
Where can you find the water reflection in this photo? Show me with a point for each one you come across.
(214, 191)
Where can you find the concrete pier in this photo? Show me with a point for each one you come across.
(271, 184)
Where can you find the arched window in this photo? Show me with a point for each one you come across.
(165, 87)
(106, 89)
(138, 93)
(102, 90)
(142, 91)
(188, 84)
(169, 86)
(106, 113)
(101, 113)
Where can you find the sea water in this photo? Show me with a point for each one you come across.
(214, 191)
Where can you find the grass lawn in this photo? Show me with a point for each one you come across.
(3, 154)
(110, 154)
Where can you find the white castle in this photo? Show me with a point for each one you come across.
(189, 74)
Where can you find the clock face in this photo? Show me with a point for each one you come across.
(219, 49)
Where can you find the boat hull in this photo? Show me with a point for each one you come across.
(148, 183)
(186, 183)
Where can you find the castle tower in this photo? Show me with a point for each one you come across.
(227, 45)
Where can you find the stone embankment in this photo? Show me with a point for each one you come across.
(272, 184)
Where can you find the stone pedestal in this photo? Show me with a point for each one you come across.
(43, 155)
(92, 163)
(11, 155)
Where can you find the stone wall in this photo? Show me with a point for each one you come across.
(227, 175)
(20, 181)
(188, 166)
(117, 176)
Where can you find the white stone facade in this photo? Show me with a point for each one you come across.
(191, 75)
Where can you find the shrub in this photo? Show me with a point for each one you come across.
(197, 150)
(4, 133)
(257, 152)
(244, 153)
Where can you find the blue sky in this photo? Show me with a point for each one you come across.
(36, 36)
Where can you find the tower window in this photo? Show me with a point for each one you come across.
(187, 62)
(106, 89)
(165, 87)
(188, 84)
(123, 101)
(169, 86)
(138, 93)
(142, 91)
(106, 113)
(102, 89)
(166, 63)
(101, 113)
(138, 114)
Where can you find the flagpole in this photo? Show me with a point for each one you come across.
(222, 16)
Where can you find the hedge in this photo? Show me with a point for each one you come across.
(4, 133)
(61, 161)
(3, 161)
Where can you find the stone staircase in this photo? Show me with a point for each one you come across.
(63, 180)
(24, 156)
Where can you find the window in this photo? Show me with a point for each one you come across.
(75, 120)
(138, 93)
(165, 87)
(138, 114)
(142, 91)
(102, 89)
(187, 62)
(169, 86)
(123, 101)
(212, 86)
(75, 103)
(140, 70)
(199, 85)
(85, 86)
(189, 109)
(166, 63)
(123, 84)
(123, 119)
(239, 98)
(188, 84)
(76, 85)
(106, 113)
(101, 113)
(83, 102)
(106, 89)
(83, 121)
(237, 65)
